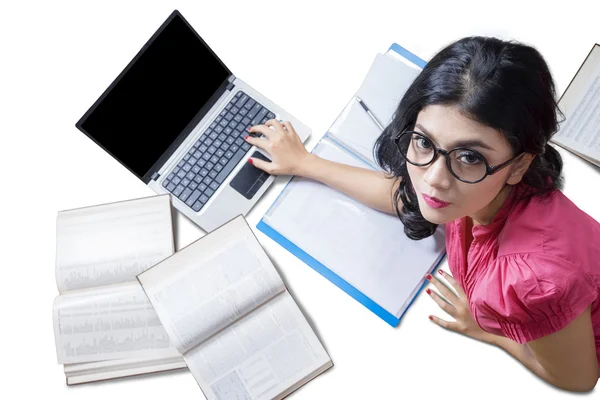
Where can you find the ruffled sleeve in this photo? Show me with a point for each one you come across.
(541, 294)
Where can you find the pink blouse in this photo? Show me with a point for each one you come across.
(532, 270)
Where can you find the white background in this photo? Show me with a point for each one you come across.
(309, 57)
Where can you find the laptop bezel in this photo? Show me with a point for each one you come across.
(146, 178)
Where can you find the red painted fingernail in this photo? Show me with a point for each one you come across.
(250, 161)
(245, 137)
(441, 272)
(431, 318)
(429, 277)
(428, 291)
(248, 129)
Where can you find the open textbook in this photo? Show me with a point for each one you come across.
(104, 325)
(228, 312)
(361, 250)
(580, 103)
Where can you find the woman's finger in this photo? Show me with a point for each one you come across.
(259, 142)
(265, 130)
(453, 326)
(453, 282)
(275, 124)
(447, 293)
(288, 127)
(444, 305)
(261, 164)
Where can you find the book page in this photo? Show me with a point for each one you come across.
(260, 356)
(580, 132)
(382, 89)
(111, 243)
(108, 323)
(110, 369)
(365, 247)
(211, 283)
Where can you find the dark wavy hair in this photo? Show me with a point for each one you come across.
(502, 84)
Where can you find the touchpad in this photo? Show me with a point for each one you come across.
(249, 179)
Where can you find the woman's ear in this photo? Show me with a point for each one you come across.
(520, 168)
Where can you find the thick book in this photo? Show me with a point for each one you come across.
(230, 315)
(361, 250)
(104, 325)
(579, 133)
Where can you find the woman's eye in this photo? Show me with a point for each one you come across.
(468, 158)
(423, 144)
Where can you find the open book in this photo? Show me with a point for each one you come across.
(580, 103)
(228, 312)
(361, 250)
(104, 326)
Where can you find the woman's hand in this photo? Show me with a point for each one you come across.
(283, 144)
(457, 307)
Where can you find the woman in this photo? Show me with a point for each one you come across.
(468, 147)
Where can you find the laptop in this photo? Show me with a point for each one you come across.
(176, 117)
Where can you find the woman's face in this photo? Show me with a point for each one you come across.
(448, 128)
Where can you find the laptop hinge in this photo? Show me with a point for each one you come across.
(230, 86)
(155, 176)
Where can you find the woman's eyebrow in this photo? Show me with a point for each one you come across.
(462, 143)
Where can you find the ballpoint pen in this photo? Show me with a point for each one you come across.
(364, 106)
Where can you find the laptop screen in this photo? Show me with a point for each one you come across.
(159, 97)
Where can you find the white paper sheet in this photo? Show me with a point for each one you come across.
(365, 247)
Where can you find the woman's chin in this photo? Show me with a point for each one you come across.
(437, 216)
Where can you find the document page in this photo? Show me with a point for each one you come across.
(211, 283)
(111, 243)
(111, 322)
(581, 106)
(365, 247)
(381, 91)
(261, 355)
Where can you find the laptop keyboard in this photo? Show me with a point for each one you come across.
(216, 153)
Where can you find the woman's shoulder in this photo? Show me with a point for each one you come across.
(533, 294)
(551, 224)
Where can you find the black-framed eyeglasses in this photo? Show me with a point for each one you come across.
(466, 165)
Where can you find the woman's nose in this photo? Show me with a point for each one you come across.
(437, 174)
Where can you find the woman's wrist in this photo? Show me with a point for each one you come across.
(307, 166)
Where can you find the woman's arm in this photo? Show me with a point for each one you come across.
(372, 188)
(289, 157)
(566, 359)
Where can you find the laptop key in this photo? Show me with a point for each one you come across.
(185, 194)
(270, 115)
(166, 183)
(214, 186)
(255, 109)
(197, 206)
(176, 180)
(193, 185)
(202, 187)
(213, 174)
(185, 181)
(171, 186)
(178, 190)
(209, 165)
(214, 159)
(186, 167)
(192, 199)
(234, 110)
(246, 146)
(203, 199)
(209, 192)
(229, 166)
